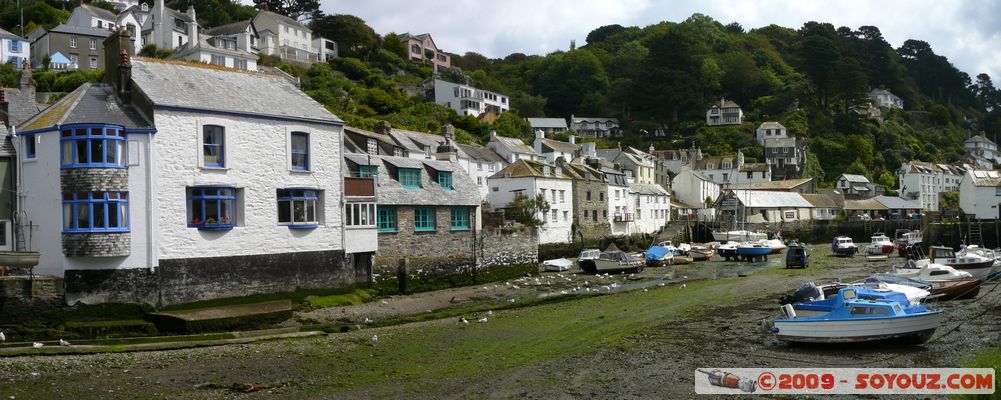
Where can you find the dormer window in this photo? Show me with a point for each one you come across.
(373, 148)
(559, 171)
(545, 170)
(727, 165)
(409, 177)
(445, 180)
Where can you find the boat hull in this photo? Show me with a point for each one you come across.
(956, 290)
(979, 270)
(740, 236)
(754, 251)
(598, 265)
(918, 327)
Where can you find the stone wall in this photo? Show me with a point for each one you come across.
(97, 244)
(442, 248)
(24, 289)
(195, 279)
(497, 248)
(94, 180)
(590, 227)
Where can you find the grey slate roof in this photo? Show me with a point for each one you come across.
(281, 18)
(391, 192)
(177, 14)
(643, 188)
(480, 153)
(90, 103)
(210, 88)
(204, 45)
(547, 122)
(362, 159)
(897, 203)
(99, 12)
(563, 147)
(7, 35)
(229, 29)
(767, 199)
(853, 178)
(80, 30)
(515, 145)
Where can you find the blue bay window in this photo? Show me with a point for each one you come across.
(211, 208)
(409, 177)
(300, 151)
(213, 146)
(297, 208)
(445, 180)
(386, 219)
(424, 219)
(92, 146)
(96, 212)
(460, 218)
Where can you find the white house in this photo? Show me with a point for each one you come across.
(285, 38)
(547, 125)
(695, 188)
(14, 49)
(980, 193)
(771, 130)
(601, 127)
(673, 160)
(652, 205)
(468, 100)
(553, 149)
(88, 16)
(480, 163)
(884, 99)
(326, 47)
(241, 35)
(825, 207)
(533, 178)
(982, 148)
(166, 177)
(217, 50)
(133, 19)
(855, 187)
(923, 181)
(732, 170)
(512, 149)
(639, 166)
(724, 112)
(167, 28)
(621, 214)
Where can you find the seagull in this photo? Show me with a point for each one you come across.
(515, 287)
(490, 313)
(63, 343)
(511, 301)
(368, 321)
(684, 277)
(375, 339)
(660, 284)
(482, 320)
(37, 345)
(644, 289)
(683, 285)
(3, 338)
(463, 320)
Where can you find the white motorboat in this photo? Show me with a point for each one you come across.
(557, 265)
(776, 245)
(977, 265)
(925, 270)
(880, 245)
(740, 236)
(843, 246)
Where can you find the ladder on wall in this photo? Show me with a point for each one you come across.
(974, 234)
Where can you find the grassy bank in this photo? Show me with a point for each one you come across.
(989, 358)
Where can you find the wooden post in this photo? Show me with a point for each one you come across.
(401, 274)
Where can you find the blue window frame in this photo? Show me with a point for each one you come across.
(300, 151)
(29, 147)
(297, 208)
(386, 219)
(92, 146)
(15, 46)
(424, 219)
(15, 60)
(96, 212)
(460, 218)
(211, 208)
(368, 171)
(409, 177)
(445, 180)
(213, 146)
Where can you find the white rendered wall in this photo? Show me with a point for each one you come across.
(550, 232)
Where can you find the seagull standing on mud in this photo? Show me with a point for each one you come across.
(482, 320)
(375, 339)
(463, 320)
(368, 321)
(3, 338)
(63, 343)
(37, 345)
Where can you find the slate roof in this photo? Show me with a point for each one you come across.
(581, 171)
(983, 178)
(526, 168)
(80, 30)
(7, 35)
(204, 45)
(820, 200)
(863, 205)
(897, 203)
(716, 162)
(787, 184)
(229, 29)
(754, 167)
(99, 12)
(643, 188)
(90, 103)
(578, 120)
(480, 153)
(515, 145)
(216, 89)
(725, 104)
(855, 178)
(280, 18)
(177, 14)
(390, 192)
(769, 199)
(362, 159)
(547, 122)
(771, 125)
(559, 146)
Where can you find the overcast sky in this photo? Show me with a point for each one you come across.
(967, 32)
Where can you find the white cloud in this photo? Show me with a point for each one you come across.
(966, 32)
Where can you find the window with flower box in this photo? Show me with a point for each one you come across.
(211, 208)
(96, 212)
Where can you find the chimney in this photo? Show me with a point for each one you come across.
(192, 27)
(118, 64)
(573, 139)
(652, 149)
(539, 134)
(383, 127)
(493, 135)
(447, 151)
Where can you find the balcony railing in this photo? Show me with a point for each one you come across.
(359, 187)
(623, 217)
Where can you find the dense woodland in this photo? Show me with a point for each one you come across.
(665, 75)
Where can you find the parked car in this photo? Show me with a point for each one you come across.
(796, 256)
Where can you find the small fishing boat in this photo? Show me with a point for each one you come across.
(612, 260)
(905, 240)
(702, 253)
(739, 236)
(845, 318)
(753, 250)
(658, 256)
(947, 283)
(977, 265)
(728, 250)
(906, 296)
(880, 245)
(843, 246)
(557, 265)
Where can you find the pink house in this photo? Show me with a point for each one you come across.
(422, 48)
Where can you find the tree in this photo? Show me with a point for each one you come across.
(530, 212)
(292, 8)
(950, 201)
(887, 180)
(354, 37)
(392, 43)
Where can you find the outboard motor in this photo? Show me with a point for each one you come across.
(805, 293)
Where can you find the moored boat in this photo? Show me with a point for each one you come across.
(845, 318)
(557, 265)
(739, 236)
(750, 251)
(776, 245)
(905, 240)
(612, 260)
(947, 283)
(880, 245)
(702, 253)
(728, 250)
(977, 265)
(843, 246)
(658, 256)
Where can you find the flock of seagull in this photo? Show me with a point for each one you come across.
(36, 345)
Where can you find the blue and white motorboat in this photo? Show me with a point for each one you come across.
(753, 250)
(848, 318)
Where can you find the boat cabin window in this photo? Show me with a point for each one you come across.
(896, 307)
(867, 311)
(850, 294)
(933, 273)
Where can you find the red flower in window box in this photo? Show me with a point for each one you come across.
(224, 220)
(196, 221)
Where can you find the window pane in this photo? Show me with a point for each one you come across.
(112, 147)
(99, 211)
(67, 153)
(81, 152)
(299, 211)
(120, 152)
(195, 212)
(348, 212)
(212, 155)
(123, 210)
(83, 216)
(226, 215)
(96, 150)
(67, 216)
(284, 211)
(211, 212)
(310, 211)
(114, 214)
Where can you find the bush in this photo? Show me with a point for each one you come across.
(353, 68)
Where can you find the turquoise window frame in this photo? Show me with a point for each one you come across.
(445, 180)
(386, 219)
(424, 219)
(368, 171)
(460, 218)
(409, 177)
